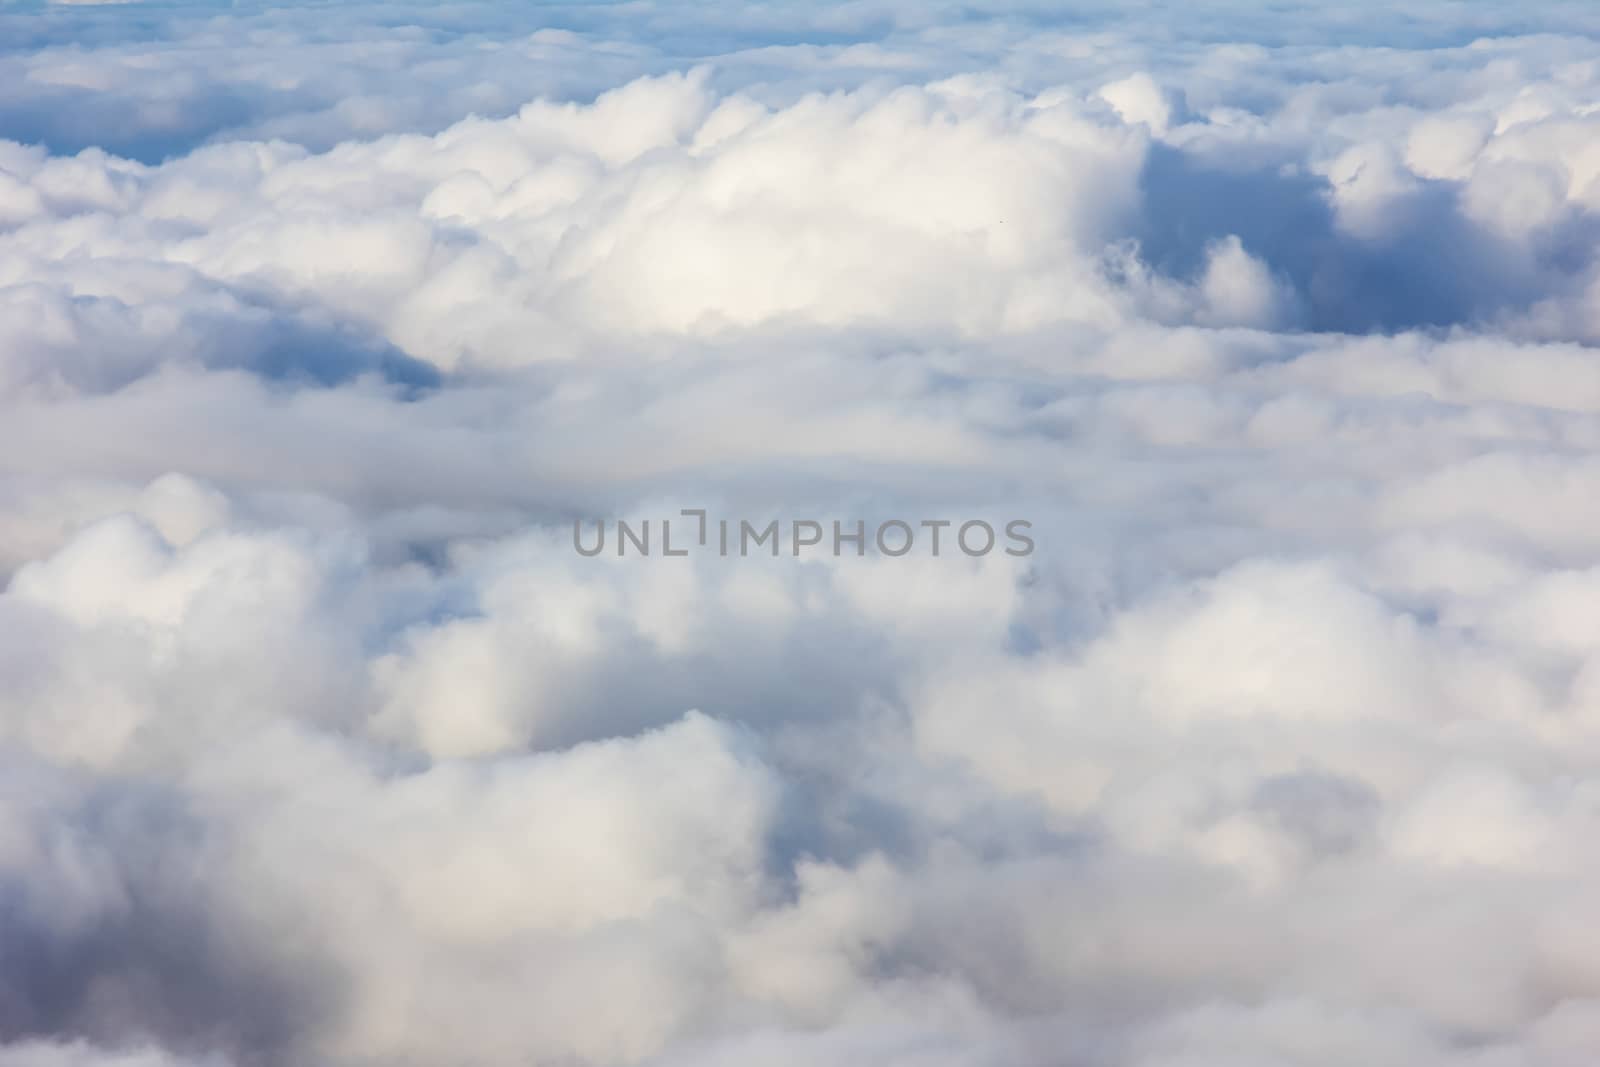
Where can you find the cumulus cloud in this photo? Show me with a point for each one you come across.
(320, 742)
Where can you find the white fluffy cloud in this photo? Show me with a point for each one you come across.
(321, 743)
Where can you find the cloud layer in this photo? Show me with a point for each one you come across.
(320, 744)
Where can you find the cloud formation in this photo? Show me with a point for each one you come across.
(320, 744)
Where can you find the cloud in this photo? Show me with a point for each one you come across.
(320, 742)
